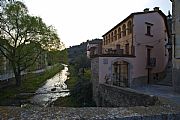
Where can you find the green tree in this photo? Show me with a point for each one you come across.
(23, 37)
(57, 56)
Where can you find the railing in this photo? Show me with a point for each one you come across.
(151, 63)
(119, 80)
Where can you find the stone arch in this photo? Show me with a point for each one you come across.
(115, 35)
(129, 71)
(129, 25)
(112, 35)
(124, 30)
(119, 32)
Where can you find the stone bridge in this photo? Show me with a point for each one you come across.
(165, 112)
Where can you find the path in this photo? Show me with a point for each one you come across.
(90, 113)
(10, 74)
(161, 91)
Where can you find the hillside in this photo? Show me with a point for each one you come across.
(79, 50)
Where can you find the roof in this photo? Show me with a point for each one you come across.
(139, 13)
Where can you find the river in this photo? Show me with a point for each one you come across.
(52, 90)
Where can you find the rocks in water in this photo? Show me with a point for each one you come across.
(53, 89)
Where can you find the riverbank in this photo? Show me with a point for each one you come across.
(80, 90)
(30, 83)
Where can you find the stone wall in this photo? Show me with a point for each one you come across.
(90, 113)
(154, 78)
(112, 96)
(176, 80)
(95, 76)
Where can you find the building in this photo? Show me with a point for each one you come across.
(134, 52)
(94, 47)
(176, 44)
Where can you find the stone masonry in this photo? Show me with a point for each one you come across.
(112, 96)
(90, 113)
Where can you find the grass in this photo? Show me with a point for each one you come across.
(68, 101)
(80, 90)
(30, 83)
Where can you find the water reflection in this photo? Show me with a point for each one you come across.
(53, 89)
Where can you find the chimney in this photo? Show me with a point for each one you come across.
(156, 8)
(146, 10)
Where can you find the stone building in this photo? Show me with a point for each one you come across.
(176, 44)
(134, 51)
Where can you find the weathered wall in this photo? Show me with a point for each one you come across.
(112, 96)
(176, 45)
(95, 76)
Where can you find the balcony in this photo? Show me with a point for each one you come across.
(151, 63)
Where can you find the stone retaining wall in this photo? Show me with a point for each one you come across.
(113, 96)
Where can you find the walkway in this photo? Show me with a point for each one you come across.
(11, 74)
(89, 113)
(161, 91)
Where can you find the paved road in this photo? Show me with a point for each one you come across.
(161, 91)
(11, 74)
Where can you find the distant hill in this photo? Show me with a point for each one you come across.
(80, 50)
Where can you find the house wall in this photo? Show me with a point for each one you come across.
(176, 45)
(138, 71)
(95, 77)
(106, 68)
(116, 37)
(157, 41)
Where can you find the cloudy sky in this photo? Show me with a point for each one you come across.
(79, 20)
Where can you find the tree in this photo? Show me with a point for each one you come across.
(23, 37)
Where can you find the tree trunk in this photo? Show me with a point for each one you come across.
(18, 79)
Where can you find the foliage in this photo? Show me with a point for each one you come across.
(82, 62)
(79, 80)
(30, 83)
(81, 90)
(79, 50)
(57, 56)
(24, 37)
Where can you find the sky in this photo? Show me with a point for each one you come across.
(77, 21)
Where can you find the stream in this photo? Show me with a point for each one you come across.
(52, 90)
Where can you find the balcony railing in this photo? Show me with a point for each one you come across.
(151, 63)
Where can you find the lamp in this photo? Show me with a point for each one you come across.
(168, 46)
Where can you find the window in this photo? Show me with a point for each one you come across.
(115, 35)
(112, 37)
(104, 41)
(124, 30)
(127, 49)
(119, 32)
(149, 29)
(148, 56)
(129, 27)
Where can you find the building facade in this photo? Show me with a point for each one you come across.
(133, 52)
(176, 44)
